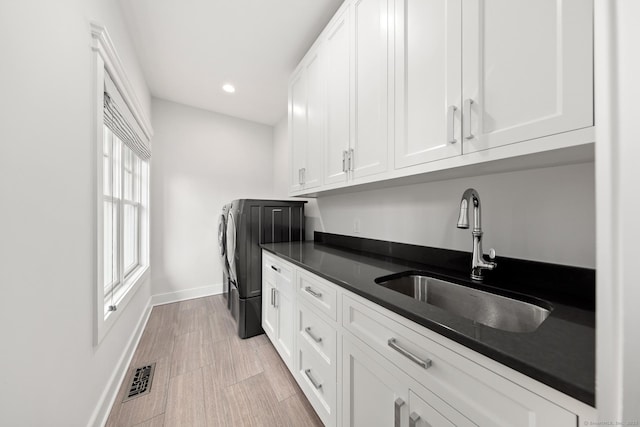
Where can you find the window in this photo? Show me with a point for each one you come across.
(122, 181)
(122, 154)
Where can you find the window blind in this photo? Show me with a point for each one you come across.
(121, 122)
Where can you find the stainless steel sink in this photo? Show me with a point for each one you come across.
(495, 311)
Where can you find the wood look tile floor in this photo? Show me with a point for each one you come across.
(206, 376)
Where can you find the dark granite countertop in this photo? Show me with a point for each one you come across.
(560, 353)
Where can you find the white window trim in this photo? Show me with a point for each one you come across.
(107, 60)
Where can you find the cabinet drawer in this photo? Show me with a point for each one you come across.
(317, 333)
(318, 381)
(277, 271)
(483, 396)
(318, 292)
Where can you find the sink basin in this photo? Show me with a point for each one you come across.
(495, 311)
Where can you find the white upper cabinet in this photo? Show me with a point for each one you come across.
(297, 128)
(312, 175)
(428, 73)
(395, 88)
(370, 88)
(306, 122)
(527, 70)
(338, 106)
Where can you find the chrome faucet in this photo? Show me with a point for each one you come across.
(478, 263)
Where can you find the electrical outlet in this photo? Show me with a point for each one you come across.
(356, 225)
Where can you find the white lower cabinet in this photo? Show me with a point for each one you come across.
(377, 393)
(278, 299)
(361, 365)
(316, 366)
(372, 394)
(477, 393)
(317, 380)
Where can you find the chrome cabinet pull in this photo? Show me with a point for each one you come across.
(393, 343)
(315, 383)
(315, 338)
(413, 420)
(466, 115)
(397, 413)
(273, 267)
(275, 298)
(451, 115)
(312, 292)
(272, 303)
(351, 159)
(344, 161)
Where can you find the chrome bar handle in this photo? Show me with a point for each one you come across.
(273, 267)
(451, 132)
(304, 175)
(272, 303)
(312, 292)
(466, 115)
(315, 338)
(397, 413)
(275, 298)
(315, 383)
(393, 343)
(351, 159)
(413, 420)
(344, 161)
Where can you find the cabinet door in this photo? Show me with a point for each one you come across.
(528, 70)
(338, 105)
(314, 69)
(373, 395)
(428, 80)
(297, 128)
(285, 326)
(269, 312)
(370, 87)
(428, 410)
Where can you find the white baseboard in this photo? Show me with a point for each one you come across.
(186, 294)
(101, 413)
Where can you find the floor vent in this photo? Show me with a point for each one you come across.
(140, 382)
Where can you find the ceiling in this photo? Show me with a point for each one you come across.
(189, 48)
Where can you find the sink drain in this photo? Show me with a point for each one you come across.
(140, 383)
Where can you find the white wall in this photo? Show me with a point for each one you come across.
(281, 155)
(52, 374)
(617, 152)
(201, 161)
(543, 214)
(628, 13)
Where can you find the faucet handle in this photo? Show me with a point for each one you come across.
(492, 253)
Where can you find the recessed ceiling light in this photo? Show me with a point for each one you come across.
(228, 88)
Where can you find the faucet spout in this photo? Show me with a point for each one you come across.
(470, 196)
(478, 263)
